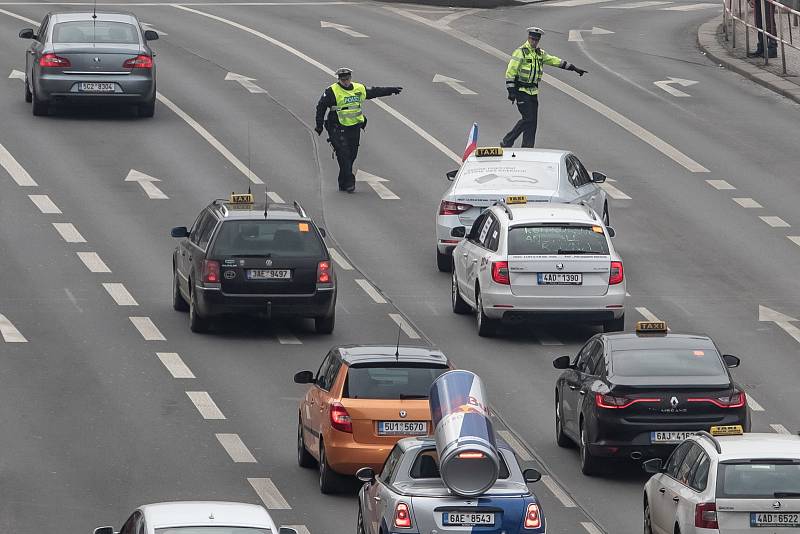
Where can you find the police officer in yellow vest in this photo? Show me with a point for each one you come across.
(346, 120)
(523, 75)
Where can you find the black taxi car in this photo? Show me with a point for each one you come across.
(243, 257)
(639, 394)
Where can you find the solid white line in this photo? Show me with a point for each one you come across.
(29, 21)
(174, 364)
(371, 291)
(591, 528)
(205, 405)
(269, 494)
(690, 7)
(514, 443)
(447, 19)
(244, 169)
(339, 259)
(236, 448)
(9, 331)
(559, 493)
(44, 203)
(574, 3)
(647, 314)
(404, 326)
(69, 233)
(719, 184)
(780, 429)
(546, 339)
(794, 239)
(384, 192)
(775, 222)
(756, 407)
(120, 294)
(286, 338)
(93, 262)
(12, 166)
(635, 5)
(613, 192)
(148, 330)
(747, 202)
(275, 197)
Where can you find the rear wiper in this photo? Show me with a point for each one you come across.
(562, 251)
(784, 494)
(404, 396)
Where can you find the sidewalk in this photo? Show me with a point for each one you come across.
(711, 39)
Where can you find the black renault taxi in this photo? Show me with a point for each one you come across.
(639, 394)
(245, 257)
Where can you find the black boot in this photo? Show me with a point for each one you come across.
(758, 52)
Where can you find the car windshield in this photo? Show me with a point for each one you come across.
(268, 238)
(213, 530)
(87, 31)
(426, 465)
(556, 239)
(768, 479)
(520, 175)
(668, 362)
(391, 381)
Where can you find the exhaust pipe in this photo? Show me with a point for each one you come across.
(636, 455)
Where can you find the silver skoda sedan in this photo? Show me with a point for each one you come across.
(90, 58)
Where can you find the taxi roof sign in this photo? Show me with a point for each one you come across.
(516, 199)
(241, 198)
(651, 327)
(488, 151)
(727, 430)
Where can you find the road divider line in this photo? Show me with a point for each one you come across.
(775, 222)
(147, 328)
(780, 429)
(275, 197)
(205, 405)
(269, 494)
(93, 262)
(614, 192)
(404, 326)
(120, 294)
(794, 239)
(11, 165)
(591, 528)
(747, 202)
(175, 365)
(69, 233)
(756, 407)
(514, 443)
(9, 331)
(719, 184)
(558, 492)
(339, 259)
(286, 338)
(236, 448)
(24, 19)
(371, 291)
(44, 203)
(546, 339)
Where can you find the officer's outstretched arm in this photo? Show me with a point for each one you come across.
(378, 92)
(554, 61)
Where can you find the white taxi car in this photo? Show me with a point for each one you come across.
(492, 173)
(539, 261)
(726, 482)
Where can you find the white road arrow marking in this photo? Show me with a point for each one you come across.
(783, 321)
(455, 84)
(16, 74)
(146, 181)
(247, 83)
(148, 26)
(375, 183)
(666, 86)
(575, 35)
(342, 28)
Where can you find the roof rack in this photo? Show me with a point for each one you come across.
(712, 439)
(505, 207)
(299, 209)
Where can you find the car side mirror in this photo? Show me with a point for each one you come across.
(458, 231)
(104, 530)
(731, 360)
(150, 35)
(287, 530)
(304, 377)
(652, 466)
(598, 177)
(562, 362)
(179, 231)
(611, 231)
(365, 474)
(531, 475)
(322, 232)
(451, 175)
(27, 33)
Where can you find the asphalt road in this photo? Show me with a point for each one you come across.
(94, 423)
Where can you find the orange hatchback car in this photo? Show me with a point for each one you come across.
(362, 400)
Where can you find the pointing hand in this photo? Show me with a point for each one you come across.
(318, 129)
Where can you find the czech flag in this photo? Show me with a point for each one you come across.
(472, 141)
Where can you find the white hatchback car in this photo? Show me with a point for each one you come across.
(542, 262)
(491, 174)
(732, 484)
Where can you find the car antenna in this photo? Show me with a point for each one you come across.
(397, 346)
(94, 10)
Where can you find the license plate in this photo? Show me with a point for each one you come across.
(670, 437)
(97, 87)
(462, 519)
(402, 428)
(759, 519)
(269, 274)
(560, 279)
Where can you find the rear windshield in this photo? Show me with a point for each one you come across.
(556, 239)
(520, 175)
(86, 31)
(262, 238)
(426, 465)
(386, 381)
(770, 479)
(667, 362)
(213, 530)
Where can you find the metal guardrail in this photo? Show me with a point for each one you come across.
(741, 11)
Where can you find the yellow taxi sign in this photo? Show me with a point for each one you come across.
(726, 430)
(303, 227)
(241, 198)
(488, 151)
(516, 199)
(651, 327)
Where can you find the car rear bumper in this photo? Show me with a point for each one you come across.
(445, 226)
(347, 456)
(132, 88)
(502, 304)
(213, 302)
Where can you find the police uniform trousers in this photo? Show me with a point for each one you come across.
(528, 106)
(345, 140)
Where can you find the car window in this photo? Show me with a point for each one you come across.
(206, 231)
(595, 355)
(493, 235)
(571, 171)
(91, 31)
(296, 239)
(582, 173)
(484, 230)
(426, 465)
(599, 367)
(218, 529)
(758, 479)
(323, 369)
(391, 463)
(674, 460)
(42, 35)
(197, 227)
(584, 354)
(331, 370)
(557, 239)
(513, 175)
(477, 226)
(687, 464)
(130, 525)
(699, 476)
(391, 381)
(669, 362)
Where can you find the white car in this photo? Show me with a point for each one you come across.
(491, 174)
(199, 517)
(541, 262)
(732, 484)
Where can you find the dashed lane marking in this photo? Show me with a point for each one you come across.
(780, 429)
(275, 197)
(93, 262)
(120, 294)
(591, 528)
(558, 491)
(614, 192)
(44, 203)
(371, 291)
(514, 443)
(794, 239)
(546, 339)
(69, 233)
(175, 365)
(647, 314)
(236, 448)
(149, 331)
(9, 331)
(205, 405)
(775, 222)
(756, 407)
(11, 165)
(719, 184)
(636, 5)
(404, 326)
(747, 202)
(269, 494)
(339, 259)
(286, 338)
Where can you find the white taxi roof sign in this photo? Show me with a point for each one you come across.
(726, 430)
(517, 199)
(651, 327)
(488, 151)
(241, 198)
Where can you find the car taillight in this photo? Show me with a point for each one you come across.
(324, 272)
(142, 61)
(211, 271)
(453, 208)
(614, 402)
(500, 272)
(617, 274)
(340, 419)
(52, 60)
(532, 517)
(705, 515)
(402, 517)
(735, 400)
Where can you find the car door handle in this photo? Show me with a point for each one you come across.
(377, 499)
(676, 499)
(573, 388)
(582, 392)
(464, 254)
(474, 261)
(662, 490)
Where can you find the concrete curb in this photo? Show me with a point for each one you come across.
(709, 42)
(482, 4)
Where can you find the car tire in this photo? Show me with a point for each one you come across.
(606, 216)
(486, 326)
(197, 324)
(590, 465)
(561, 439)
(460, 306)
(360, 525)
(615, 325)
(329, 480)
(147, 109)
(325, 324)
(444, 262)
(28, 94)
(40, 108)
(178, 302)
(647, 527)
(304, 458)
